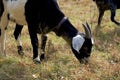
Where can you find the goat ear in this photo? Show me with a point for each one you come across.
(87, 30)
(77, 42)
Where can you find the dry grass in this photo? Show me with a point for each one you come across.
(60, 63)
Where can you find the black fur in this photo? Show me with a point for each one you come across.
(1, 10)
(17, 31)
(1, 7)
(104, 5)
(44, 16)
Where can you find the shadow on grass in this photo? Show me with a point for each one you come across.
(105, 39)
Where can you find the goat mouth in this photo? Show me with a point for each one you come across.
(84, 60)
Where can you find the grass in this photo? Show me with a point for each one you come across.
(60, 63)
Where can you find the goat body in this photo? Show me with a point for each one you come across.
(44, 16)
(104, 5)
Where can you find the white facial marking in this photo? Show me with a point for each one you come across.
(77, 42)
(92, 40)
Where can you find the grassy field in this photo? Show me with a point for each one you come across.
(60, 63)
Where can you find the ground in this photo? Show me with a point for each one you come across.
(60, 63)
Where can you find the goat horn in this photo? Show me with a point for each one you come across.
(87, 30)
(88, 27)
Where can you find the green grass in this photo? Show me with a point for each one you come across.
(60, 63)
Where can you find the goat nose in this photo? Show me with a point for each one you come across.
(86, 59)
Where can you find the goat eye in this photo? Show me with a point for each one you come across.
(85, 48)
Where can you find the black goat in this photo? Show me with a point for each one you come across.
(43, 16)
(104, 5)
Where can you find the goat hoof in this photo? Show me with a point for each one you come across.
(42, 57)
(20, 51)
(37, 60)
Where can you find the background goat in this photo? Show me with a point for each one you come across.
(104, 5)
